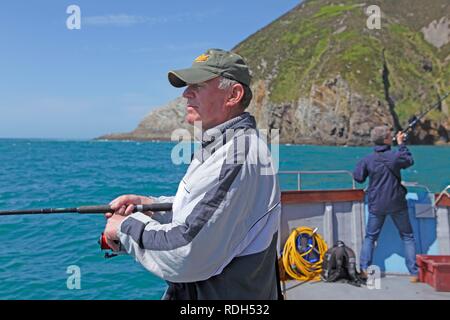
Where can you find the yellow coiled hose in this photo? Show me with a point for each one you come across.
(294, 262)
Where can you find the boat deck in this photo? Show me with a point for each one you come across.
(392, 287)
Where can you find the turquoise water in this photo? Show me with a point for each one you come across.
(36, 251)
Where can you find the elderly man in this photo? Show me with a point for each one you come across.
(219, 240)
(386, 195)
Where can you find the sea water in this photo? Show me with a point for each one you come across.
(38, 254)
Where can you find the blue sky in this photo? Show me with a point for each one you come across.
(105, 77)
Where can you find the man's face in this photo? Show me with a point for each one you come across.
(388, 139)
(206, 103)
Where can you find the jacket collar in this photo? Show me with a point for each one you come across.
(382, 148)
(242, 121)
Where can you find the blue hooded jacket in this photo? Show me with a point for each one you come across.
(385, 192)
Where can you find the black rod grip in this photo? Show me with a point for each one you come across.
(94, 209)
(156, 207)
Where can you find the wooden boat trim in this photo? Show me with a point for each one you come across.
(444, 201)
(314, 196)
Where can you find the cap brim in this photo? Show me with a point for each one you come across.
(181, 78)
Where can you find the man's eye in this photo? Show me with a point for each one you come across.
(199, 85)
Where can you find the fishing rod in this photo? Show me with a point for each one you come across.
(414, 120)
(91, 210)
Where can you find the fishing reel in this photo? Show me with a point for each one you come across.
(394, 139)
(104, 246)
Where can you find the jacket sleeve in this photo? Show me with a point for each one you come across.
(360, 173)
(162, 216)
(197, 246)
(404, 157)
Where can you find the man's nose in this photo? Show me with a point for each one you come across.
(188, 93)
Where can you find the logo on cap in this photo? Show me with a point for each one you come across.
(202, 58)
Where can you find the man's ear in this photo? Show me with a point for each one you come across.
(235, 95)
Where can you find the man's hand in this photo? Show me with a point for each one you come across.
(400, 137)
(111, 231)
(124, 205)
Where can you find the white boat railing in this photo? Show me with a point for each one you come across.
(415, 185)
(300, 173)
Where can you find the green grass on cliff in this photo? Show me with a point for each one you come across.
(357, 52)
(332, 11)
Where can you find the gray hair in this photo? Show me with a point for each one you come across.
(225, 83)
(379, 134)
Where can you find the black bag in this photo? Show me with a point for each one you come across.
(339, 264)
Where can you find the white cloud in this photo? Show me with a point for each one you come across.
(125, 20)
(121, 20)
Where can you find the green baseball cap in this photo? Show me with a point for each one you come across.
(209, 65)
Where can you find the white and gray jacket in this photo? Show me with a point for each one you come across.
(226, 210)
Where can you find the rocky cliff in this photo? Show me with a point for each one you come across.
(321, 76)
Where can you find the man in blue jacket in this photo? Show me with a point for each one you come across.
(386, 195)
